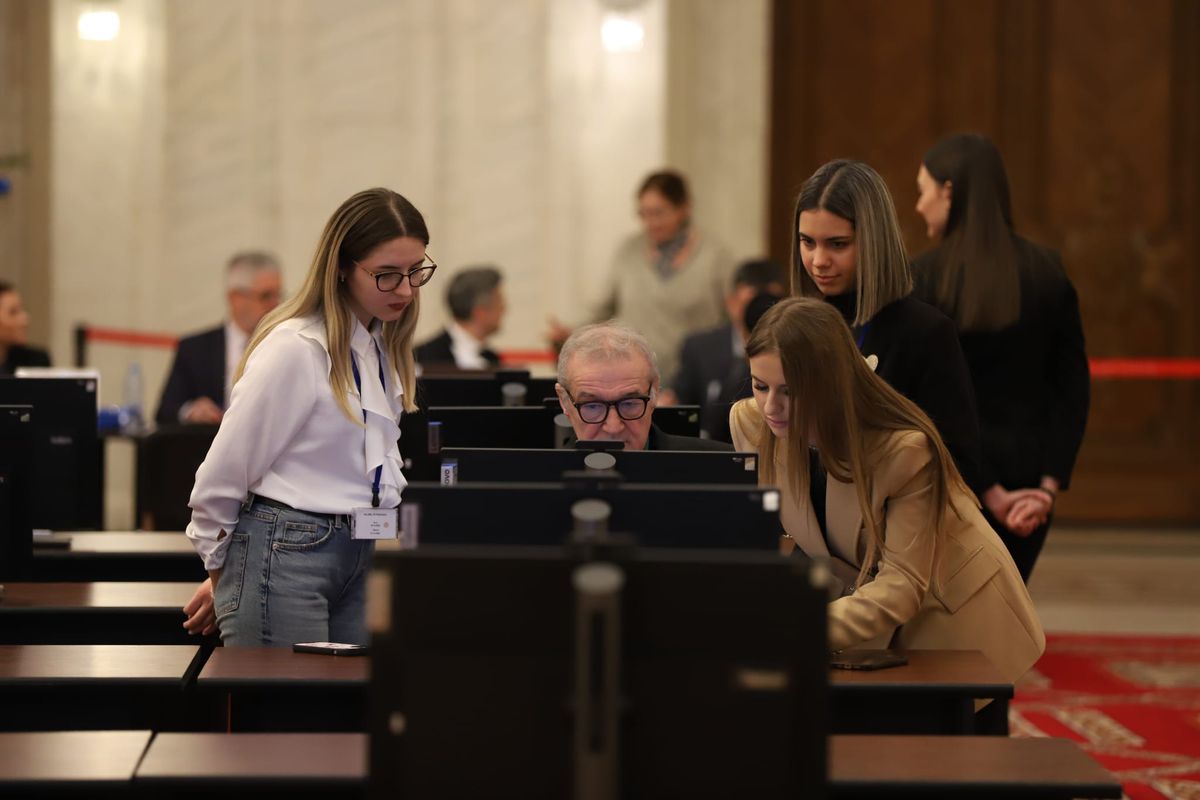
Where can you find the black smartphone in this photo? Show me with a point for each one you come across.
(330, 648)
(867, 659)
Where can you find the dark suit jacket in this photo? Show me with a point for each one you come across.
(712, 377)
(438, 350)
(198, 371)
(658, 440)
(1031, 379)
(920, 357)
(21, 356)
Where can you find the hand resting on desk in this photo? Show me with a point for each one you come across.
(201, 617)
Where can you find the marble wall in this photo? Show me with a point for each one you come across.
(206, 128)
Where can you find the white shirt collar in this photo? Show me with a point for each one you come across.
(467, 350)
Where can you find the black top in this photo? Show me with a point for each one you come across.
(1031, 379)
(22, 356)
(198, 371)
(439, 350)
(658, 440)
(712, 376)
(920, 357)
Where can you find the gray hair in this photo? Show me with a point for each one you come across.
(605, 341)
(470, 288)
(244, 266)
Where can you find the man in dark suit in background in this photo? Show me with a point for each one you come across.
(477, 306)
(712, 363)
(201, 377)
(608, 388)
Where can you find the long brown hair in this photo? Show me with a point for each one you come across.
(976, 278)
(859, 195)
(837, 399)
(359, 225)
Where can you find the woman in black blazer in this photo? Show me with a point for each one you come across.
(14, 334)
(847, 249)
(1018, 321)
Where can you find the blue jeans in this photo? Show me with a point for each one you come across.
(291, 576)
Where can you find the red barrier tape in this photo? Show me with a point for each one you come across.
(1101, 368)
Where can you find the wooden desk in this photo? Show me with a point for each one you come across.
(963, 766)
(95, 613)
(293, 765)
(90, 687)
(274, 689)
(934, 693)
(76, 763)
(120, 556)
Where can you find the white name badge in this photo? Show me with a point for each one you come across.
(373, 523)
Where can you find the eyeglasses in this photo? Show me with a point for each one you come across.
(595, 412)
(387, 280)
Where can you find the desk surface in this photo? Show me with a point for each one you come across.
(222, 757)
(238, 666)
(124, 543)
(29, 664)
(957, 766)
(929, 671)
(101, 595)
(83, 756)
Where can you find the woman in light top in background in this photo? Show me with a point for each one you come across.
(1018, 322)
(921, 566)
(306, 463)
(667, 281)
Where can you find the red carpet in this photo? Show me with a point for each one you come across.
(1132, 702)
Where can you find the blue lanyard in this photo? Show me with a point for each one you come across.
(358, 385)
(859, 339)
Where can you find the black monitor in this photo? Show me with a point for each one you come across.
(539, 514)
(16, 449)
(167, 460)
(66, 491)
(473, 464)
(500, 388)
(527, 672)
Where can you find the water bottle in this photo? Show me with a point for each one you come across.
(132, 422)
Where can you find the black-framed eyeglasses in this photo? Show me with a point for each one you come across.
(594, 412)
(387, 280)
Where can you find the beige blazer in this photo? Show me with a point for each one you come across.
(965, 594)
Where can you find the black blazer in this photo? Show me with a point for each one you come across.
(22, 356)
(438, 350)
(198, 371)
(920, 357)
(658, 440)
(1031, 379)
(713, 377)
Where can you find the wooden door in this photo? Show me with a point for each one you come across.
(1095, 105)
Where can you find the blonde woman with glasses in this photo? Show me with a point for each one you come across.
(305, 471)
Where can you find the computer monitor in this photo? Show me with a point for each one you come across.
(167, 460)
(500, 388)
(16, 535)
(540, 514)
(473, 464)
(66, 492)
(528, 672)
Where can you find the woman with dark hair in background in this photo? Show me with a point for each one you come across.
(847, 249)
(1018, 321)
(667, 281)
(15, 351)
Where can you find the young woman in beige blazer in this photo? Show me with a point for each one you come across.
(921, 567)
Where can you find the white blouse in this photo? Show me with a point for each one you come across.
(285, 437)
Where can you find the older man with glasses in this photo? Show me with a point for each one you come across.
(608, 384)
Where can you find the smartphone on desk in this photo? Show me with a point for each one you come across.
(330, 648)
(867, 659)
